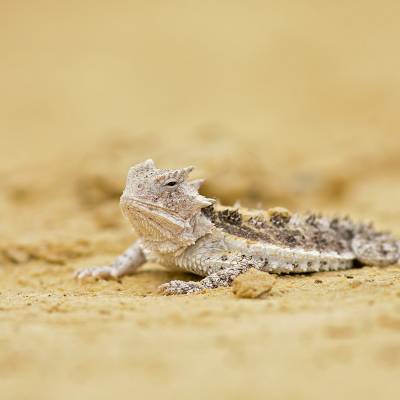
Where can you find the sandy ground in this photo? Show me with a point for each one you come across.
(276, 103)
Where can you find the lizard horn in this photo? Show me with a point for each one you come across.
(196, 183)
(184, 172)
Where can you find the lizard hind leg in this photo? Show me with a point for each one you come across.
(224, 277)
(377, 249)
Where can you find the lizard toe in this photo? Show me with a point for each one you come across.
(97, 272)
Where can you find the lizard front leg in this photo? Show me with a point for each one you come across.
(126, 264)
(223, 268)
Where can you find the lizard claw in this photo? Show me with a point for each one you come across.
(180, 287)
(105, 272)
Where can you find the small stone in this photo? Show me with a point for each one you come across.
(318, 281)
(253, 284)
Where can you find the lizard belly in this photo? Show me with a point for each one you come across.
(219, 250)
(276, 259)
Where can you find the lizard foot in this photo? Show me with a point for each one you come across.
(105, 272)
(180, 287)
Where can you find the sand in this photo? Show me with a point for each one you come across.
(276, 104)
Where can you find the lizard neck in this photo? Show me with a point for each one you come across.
(169, 234)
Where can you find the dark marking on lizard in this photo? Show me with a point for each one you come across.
(311, 232)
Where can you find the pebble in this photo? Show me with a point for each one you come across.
(253, 284)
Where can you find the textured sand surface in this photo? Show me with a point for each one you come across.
(277, 103)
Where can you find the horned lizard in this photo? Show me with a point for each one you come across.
(181, 229)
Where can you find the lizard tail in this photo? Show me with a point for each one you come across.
(379, 249)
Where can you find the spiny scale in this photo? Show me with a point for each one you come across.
(287, 243)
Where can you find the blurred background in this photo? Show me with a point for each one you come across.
(290, 84)
(293, 103)
(290, 103)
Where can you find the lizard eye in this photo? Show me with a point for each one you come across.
(171, 183)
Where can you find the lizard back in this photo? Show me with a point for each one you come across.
(279, 227)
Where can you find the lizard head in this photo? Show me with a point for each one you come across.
(161, 203)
